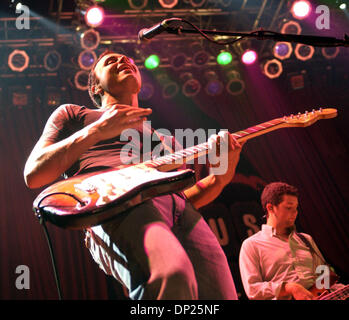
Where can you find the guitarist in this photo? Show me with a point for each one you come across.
(161, 249)
(277, 262)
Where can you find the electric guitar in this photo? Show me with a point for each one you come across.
(339, 294)
(91, 199)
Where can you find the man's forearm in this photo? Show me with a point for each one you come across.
(47, 163)
(204, 191)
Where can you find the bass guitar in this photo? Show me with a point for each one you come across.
(91, 199)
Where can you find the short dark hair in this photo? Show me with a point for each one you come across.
(93, 80)
(274, 192)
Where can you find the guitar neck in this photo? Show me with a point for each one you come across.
(176, 159)
(340, 294)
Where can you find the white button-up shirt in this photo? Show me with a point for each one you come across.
(266, 261)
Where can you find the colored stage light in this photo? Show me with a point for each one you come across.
(224, 58)
(249, 57)
(168, 4)
(52, 60)
(343, 6)
(272, 68)
(94, 16)
(90, 39)
(178, 61)
(152, 62)
(86, 59)
(282, 50)
(235, 85)
(304, 52)
(301, 9)
(200, 58)
(147, 91)
(81, 80)
(330, 52)
(18, 60)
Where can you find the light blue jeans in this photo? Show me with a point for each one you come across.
(163, 249)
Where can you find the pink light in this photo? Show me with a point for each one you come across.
(249, 57)
(301, 9)
(94, 16)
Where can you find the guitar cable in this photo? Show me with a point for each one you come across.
(53, 260)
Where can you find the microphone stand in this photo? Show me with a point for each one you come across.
(315, 41)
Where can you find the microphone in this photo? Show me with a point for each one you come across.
(148, 33)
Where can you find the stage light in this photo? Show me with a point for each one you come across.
(249, 57)
(214, 86)
(224, 58)
(52, 60)
(86, 59)
(291, 27)
(94, 16)
(304, 52)
(168, 4)
(152, 62)
(282, 50)
(81, 80)
(18, 60)
(343, 6)
(301, 9)
(169, 90)
(272, 68)
(200, 58)
(147, 91)
(197, 3)
(90, 39)
(235, 85)
(137, 4)
(191, 86)
(178, 61)
(330, 52)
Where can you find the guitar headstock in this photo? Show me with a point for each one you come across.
(309, 117)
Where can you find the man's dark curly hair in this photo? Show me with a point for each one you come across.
(93, 81)
(273, 193)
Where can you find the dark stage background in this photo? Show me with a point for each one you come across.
(315, 159)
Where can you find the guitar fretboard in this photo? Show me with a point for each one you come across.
(190, 153)
(340, 294)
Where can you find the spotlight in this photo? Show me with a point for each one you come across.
(18, 60)
(224, 58)
(291, 27)
(330, 52)
(52, 60)
(235, 85)
(178, 61)
(137, 4)
(147, 91)
(214, 86)
(343, 6)
(191, 86)
(152, 62)
(249, 57)
(272, 68)
(304, 52)
(94, 16)
(282, 50)
(197, 3)
(301, 9)
(168, 4)
(90, 39)
(81, 80)
(86, 59)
